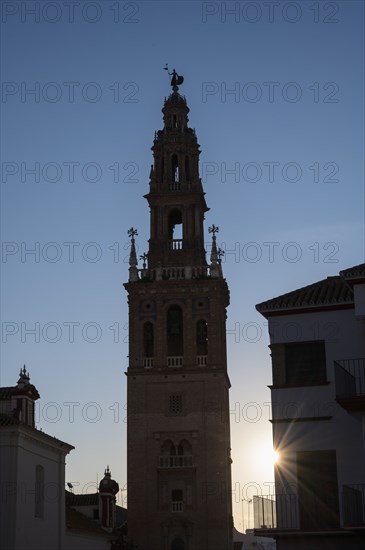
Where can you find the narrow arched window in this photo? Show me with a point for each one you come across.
(39, 492)
(148, 340)
(175, 176)
(174, 330)
(202, 338)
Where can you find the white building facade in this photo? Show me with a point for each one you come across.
(317, 342)
(32, 474)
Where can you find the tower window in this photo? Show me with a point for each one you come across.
(175, 176)
(148, 343)
(177, 500)
(202, 338)
(174, 332)
(175, 228)
(176, 404)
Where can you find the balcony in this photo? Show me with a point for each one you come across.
(354, 505)
(176, 461)
(350, 384)
(175, 273)
(285, 512)
(175, 361)
(175, 244)
(177, 506)
(148, 362)
(201, 360)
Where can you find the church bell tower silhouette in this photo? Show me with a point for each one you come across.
(178, 442)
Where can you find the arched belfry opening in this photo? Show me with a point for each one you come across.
(175, 174)
(175, 229)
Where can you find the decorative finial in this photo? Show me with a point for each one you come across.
(214, 257)
(176, 79)
(144, 257)
(220, 254)
(23, 377)
(133, 271)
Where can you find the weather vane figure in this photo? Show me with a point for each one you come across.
(176, 79)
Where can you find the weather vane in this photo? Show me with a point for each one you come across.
(132, 232)
(176, 79)
(213, 229)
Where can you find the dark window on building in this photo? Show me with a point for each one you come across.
(177, 500)
(96, 513)
(39, 492)
(305, 363)
(201, 338)
(317, 489)
(176, 404)
(148, 346)
(174, 332)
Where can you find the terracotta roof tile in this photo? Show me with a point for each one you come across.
(330, 292)
(88, 499)
(6, 392)
(77, 521)
(357, 271)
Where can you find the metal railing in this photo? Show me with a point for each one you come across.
(353, 499)
(176, 461)
(285, 511)
(350, 377)
(264, 512)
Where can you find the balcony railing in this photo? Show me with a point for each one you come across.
(177, 506)
(201, 360)
(350, 384)
(176, 461)
(175, 244)
(353, 505)
(175, 361)
(287, 512)
(264, 512)
(148, 362)
(175, 273)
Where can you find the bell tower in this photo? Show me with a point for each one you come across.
(179, 465)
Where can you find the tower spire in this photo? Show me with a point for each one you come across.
(133, 270)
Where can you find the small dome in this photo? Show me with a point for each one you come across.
(107, 484)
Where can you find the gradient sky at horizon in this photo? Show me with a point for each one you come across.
(291, 214)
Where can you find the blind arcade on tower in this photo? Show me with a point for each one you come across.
(178, 441)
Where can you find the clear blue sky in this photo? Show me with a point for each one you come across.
(293, 130)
